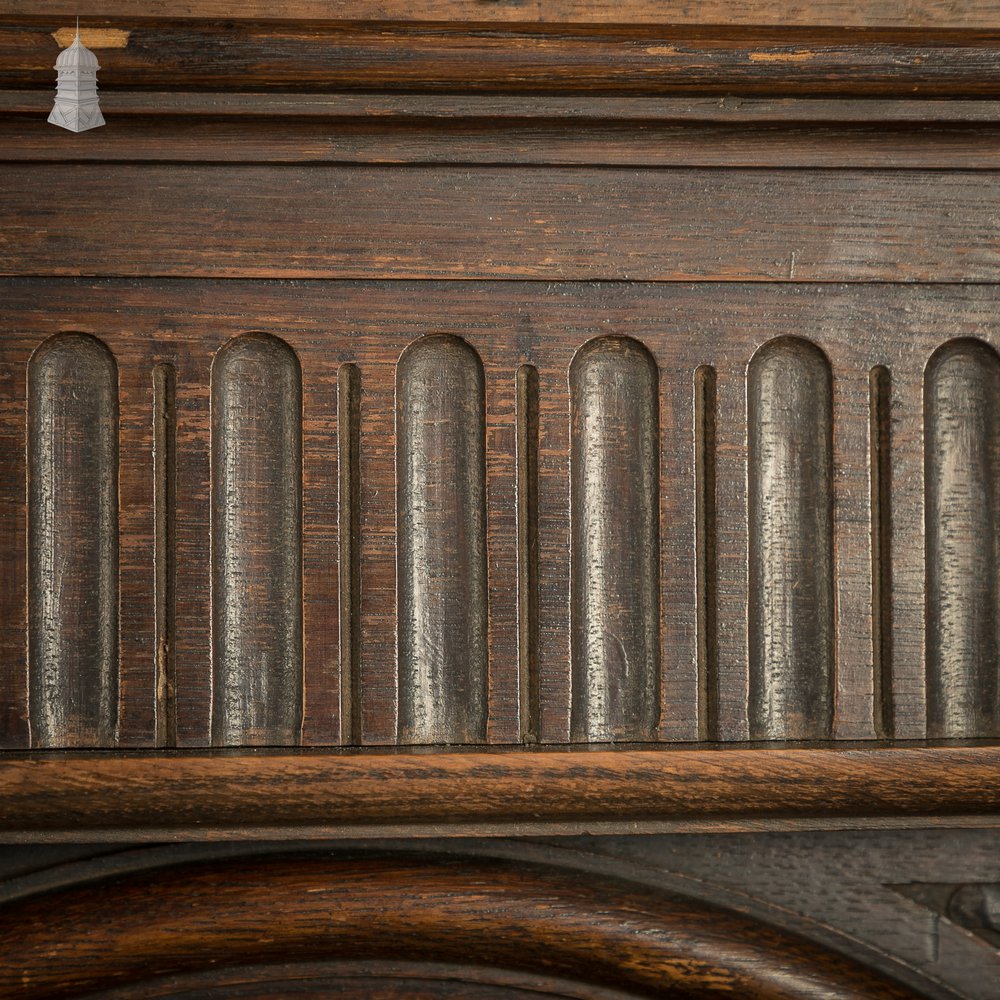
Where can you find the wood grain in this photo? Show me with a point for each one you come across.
(349, 527)
(488, 913)
(287, 795)
(642, 59)
(535, 223)
(173, 107)
(935, 14)
(441, 518)
(614, 512)
(165, 557)
(509, 324)
(73, 543)
(427, 136)
(962, 417)
(256, 543)
(789, 431)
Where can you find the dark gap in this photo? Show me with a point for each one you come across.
(706, 539)
(527, 550)
(164, 553)
(879, 388)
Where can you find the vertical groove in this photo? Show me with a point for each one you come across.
(73, 543)
(789, 411)
(349, 450)
(614, 502)
(527, 549)
(706, 530)
(164, 548)
(962, 483)
(880, 442)
(441, 530)
(256, 543)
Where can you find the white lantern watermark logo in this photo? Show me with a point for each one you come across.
(76, 106)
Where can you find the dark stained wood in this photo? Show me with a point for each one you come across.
(530, 223)
(842, 889)
(962, 418)
(526, 449)
(72, 481)
(615, 514)
(172, 108)
(546, 177)
(441, 525)
(706, 530)
(349, 536)
(790, 519)
(642, 59)
(935, 14)
(191, 796)
(14, 729)
(370, 324)
(487, 913)
(221, 139)
(165, 556)
(256, 543)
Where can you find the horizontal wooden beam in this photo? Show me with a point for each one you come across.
(937, 14)
(527, 141)
(542, 58)
(319, 221)
(281, 794)
(573, 110)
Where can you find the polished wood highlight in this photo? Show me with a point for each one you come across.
(962, 420)
(256, 543)
(790, 467)
(441, 520)
(591, 929)
(72, 398)
(614, 514)
(368, 794)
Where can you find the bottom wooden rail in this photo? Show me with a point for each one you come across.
(250, 794)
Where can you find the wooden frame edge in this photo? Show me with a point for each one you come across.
(287, 794)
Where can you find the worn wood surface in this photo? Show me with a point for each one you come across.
(790, 493)
(256, 543)
(72, 448)
(329, 53)
(441, 542)
(898, 901)
(573, 224)
(936, 14)
(885, 509)
(615, 549)
(525, 918)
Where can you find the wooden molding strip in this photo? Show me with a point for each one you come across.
(282, 794)
(389, 108)
(935, 14)
(455, 56)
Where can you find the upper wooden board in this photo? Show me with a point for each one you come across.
(935, 14)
